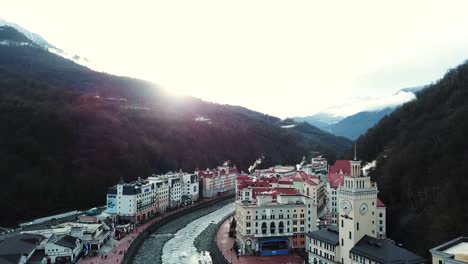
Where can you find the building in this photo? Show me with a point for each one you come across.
(270, 223)
(323, 245)
(190, 186)
(359, 225)
(21, 248)
(91, 235)
(357, 201)
(309, 185)
(381, 221)
(283, 171)
(334, 180)
(220, 180)
(162, 193)
(133, 202)
(175, 190)
(319, 165)
(63, 249)
(452, 252)
(374, 250)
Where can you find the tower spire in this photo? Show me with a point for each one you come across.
(355, 150)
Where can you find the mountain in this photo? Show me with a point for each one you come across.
(355, 117)
(40, 41)
(320, 119)
(29, 35)
(68, 133)
(422, 163)
(355, 125)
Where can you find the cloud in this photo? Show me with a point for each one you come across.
(357, 105)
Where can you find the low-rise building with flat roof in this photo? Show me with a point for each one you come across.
(453, 252)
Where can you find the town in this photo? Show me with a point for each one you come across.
(324, 213)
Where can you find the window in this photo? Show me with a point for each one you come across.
(380, 214)
(357, 226)
(342, 223)
(349, 234)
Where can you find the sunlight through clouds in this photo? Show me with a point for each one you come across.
(259, 54)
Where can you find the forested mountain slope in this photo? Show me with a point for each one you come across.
(422, 164)
(67, 133)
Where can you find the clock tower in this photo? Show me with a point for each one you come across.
(357, 199)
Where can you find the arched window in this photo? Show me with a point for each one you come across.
(281, 227)
(272, 228)
(264, 228)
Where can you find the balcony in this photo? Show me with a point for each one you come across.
(273, 235)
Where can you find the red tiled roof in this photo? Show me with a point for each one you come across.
(343, 166)
(299, 176)
(249, 183)
(273, 191)
(270, 180)
(242, 177)
(203, 174)
(380, 203)
(310, 182)
(335, 179)
(285, 181)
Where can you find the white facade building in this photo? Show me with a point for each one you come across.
(357, 201)
(361, 226)
(274, 224)
(132, 201)
(175, 191)
(162, 193)
(63, 249)
(453, 252)
(190, 186)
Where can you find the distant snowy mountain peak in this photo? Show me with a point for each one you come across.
(354, 117)
(356, 105)
(37, 39)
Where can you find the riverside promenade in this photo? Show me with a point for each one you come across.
(117, 252)
(225, 244)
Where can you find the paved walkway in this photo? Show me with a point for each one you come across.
(115, 255)
(225, 244)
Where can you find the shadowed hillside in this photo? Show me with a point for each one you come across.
(69, 132)
(422, 171)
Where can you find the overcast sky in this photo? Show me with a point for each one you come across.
(285, 58)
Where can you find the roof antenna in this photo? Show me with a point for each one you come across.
(355, 151)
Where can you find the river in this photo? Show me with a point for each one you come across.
(174, 242)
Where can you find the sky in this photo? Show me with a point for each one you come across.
(284, 58)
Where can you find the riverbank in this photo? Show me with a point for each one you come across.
(125, 249)
(174, 241)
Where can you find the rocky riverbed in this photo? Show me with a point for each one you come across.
(186, 239)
